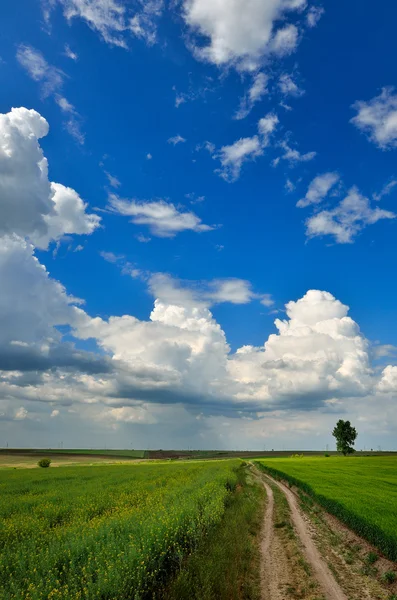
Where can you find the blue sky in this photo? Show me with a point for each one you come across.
(224, 169)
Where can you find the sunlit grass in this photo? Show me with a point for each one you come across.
(361, 491)
(105, 532)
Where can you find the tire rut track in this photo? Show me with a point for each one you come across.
(322, 573)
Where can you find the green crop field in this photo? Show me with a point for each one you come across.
(360, 491)
(113, 532)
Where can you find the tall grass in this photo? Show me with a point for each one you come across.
(361, 492)
(109, 533)
(225, 565)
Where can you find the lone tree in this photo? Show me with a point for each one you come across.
(345, 436)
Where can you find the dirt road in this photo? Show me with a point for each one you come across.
(277, 564)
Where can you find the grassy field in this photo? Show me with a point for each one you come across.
(114, 532)
(360, 491)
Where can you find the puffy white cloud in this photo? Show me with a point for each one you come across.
(31, 205)
(378, 118)
(233, 156)
(347, 219)
(231, 39)
(255, 93)
(162, 218)
(177, 139)
(318, 189)
(21, 414)
(288, 87)
(316, 361)
(285, 40)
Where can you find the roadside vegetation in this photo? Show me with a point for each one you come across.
(226, 565)
(361, 492)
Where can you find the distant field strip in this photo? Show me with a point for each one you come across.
(361, 492)
(105, 532)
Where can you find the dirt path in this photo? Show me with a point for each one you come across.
(270, 583)
(327, 581)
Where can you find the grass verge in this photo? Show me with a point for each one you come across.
(225, 566)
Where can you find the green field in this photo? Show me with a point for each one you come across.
(360, 491)
(109, 532)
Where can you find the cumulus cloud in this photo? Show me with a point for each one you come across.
(32, 306)
(353, 214)
(378, 118)
(255, 93)
(111, 19)
(233, 157)
(31, 205)
(227, 39)
(318, 189)
(316, 358)
(285, 40)
(162, 218)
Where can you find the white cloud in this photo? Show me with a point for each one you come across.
(177, 139)
(353, 214)
(111, 257)
(313, 15)
(111, 18)
(31, 205)
(386, 190)
(378, 118)
(245, 149)
(162, 218)
(232, 157)
(227, 38)
(292, 155)
(21, 414)
(39, 70)
(52, 80)
(318, 189)
(169, 290)
(149, 156)
(113, 181)
(266, 126)
(69, 53)
(289, 186)
(255, 93)
(55, 413)
(143, 239)
(285, 40)
(316, 359)
(288, 87)
(64, 104)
